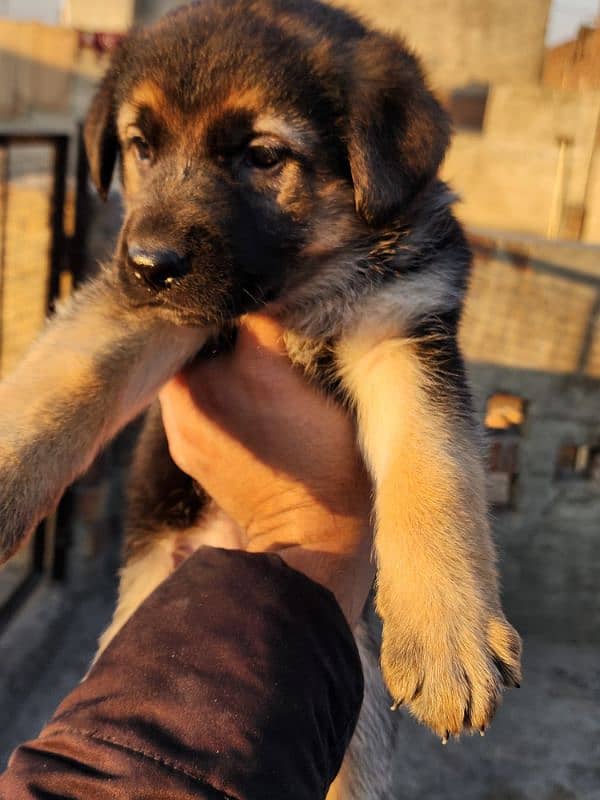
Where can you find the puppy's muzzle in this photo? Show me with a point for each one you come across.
(157, 269)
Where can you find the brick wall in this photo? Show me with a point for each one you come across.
(27, 241)
(533, 305)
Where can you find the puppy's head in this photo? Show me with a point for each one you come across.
(259, 140)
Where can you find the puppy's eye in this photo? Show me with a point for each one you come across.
(264, 157)
(141, 148)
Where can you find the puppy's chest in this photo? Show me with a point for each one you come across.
(317, 359)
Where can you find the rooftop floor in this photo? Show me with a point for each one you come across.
(543, 745)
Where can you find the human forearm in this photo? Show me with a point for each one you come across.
(238, 677)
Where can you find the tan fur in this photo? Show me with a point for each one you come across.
(92, 370)
(144, 571)
(251, 97)
(146, 94)
(139, 578)
(437, 585)
(302, 135)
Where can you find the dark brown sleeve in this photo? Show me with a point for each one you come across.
(238, 677)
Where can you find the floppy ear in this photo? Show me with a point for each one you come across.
(100, 136)
(398, 132)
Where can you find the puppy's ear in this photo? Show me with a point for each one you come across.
(100, 136)
(398, 132)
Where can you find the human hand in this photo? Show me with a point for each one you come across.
(278, 457)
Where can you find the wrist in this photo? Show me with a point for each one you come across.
(332, 550)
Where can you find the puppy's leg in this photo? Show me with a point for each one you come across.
(97, 364)
(162, 503)
(447, 648)
(148, 564)
(168, 517)
(159, 495)
(366, 772)
(140, 576)
(155, 555)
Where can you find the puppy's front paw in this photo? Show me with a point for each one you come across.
(13, 530)
(451, 674)
(21, 503)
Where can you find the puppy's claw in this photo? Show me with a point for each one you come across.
(475, 668)
(396, 705)
(445, 738)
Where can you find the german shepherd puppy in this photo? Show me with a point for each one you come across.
(278, 154)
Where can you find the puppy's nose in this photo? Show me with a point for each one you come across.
(157, 268)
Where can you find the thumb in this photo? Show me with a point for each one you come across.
(259, 333)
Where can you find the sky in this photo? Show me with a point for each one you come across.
(567, 15)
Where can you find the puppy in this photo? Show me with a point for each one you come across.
(279, 155)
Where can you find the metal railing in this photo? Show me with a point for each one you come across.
(47, 553)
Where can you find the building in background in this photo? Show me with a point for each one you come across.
(526, 153)
(531, 336)
(466, 42)
(575, 64)
(108, 16)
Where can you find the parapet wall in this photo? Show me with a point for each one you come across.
(532, 329)
(575, 64)
(467, 41)
(510, 176)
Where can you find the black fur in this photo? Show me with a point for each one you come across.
(381, 136)
(160, 496)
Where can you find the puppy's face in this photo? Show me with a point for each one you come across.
(260, 143)
(241, 189)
